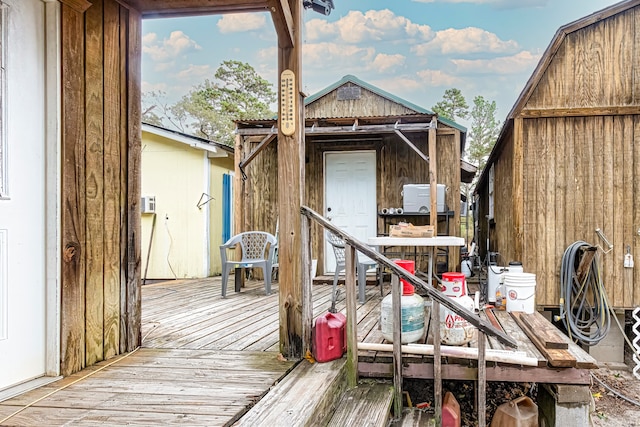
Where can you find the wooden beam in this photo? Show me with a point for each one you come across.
(518, 188)
(537, 113)
(263, 144)
(78, 5)
(433, 178)
(411, 145)
(352, 316)
(239, 199)
(94, 190)
(72, 294)
(283, 21)
(291, 187)
(175, 8)
(344, 130)
(517, 374)
(482, 381)
(397, 346)
(134, 154)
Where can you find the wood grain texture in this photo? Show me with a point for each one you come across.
(134, 135)
(94, 187)
(124, 174)
(112, 182)
(72, 329)
(291, 179)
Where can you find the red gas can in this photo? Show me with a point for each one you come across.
(329, 337)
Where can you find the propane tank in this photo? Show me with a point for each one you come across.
(411, 308)
(454, 329)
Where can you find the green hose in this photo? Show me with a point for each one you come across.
(584, 307)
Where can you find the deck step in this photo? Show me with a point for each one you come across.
(366, 405)
(307, 394)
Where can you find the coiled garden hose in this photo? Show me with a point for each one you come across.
(584, 307)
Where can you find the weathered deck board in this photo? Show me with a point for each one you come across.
(155, 387)
(370, 402)
(305, 397)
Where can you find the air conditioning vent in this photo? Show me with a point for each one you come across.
(148, 204)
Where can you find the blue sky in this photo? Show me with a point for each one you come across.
(415, 49)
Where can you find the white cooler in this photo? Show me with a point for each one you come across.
(416, 198)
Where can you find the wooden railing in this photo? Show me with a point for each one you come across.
(352, 245)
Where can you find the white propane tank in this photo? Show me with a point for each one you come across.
(411, 310)
(454, 329)
(412, 313)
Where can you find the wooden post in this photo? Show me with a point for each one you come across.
(518, 191)
(238, 188)
(437, 361)
(397, 346)
(482, 380)
(433, 175)
(307, 282)
(291, 152)
(352, 316)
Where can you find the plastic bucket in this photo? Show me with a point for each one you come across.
(521, 291)
(453, 284)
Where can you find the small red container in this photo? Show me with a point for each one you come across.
(450, 411)
(329, 337)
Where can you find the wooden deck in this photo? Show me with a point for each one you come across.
(206, 360)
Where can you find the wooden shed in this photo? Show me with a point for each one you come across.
(362, 146)
(567, 161)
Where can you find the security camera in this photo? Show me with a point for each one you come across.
(320, 6)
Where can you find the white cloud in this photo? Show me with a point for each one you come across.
(371, 26)
(343, 57)
(241, 22)
(465, 41)
(521, 62)
(384, 63)
(177, 44)
(195, 73)
(439, 78)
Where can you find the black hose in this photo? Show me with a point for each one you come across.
(584, 307)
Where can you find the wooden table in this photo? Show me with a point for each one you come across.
(431, 242)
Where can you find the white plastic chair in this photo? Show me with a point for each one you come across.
(258, 249)
(364, 263)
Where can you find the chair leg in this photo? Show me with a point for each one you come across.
(266, 272)
(362, 282)
(225, 278)
(335, 286)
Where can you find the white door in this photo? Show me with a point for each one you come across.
(22, 205)
(350, 196)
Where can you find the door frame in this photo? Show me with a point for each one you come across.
(53, 188)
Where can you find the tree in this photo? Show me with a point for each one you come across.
(209, 109)
(484, 131)
(452, 106)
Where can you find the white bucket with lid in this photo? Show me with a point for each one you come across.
(521, 291)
